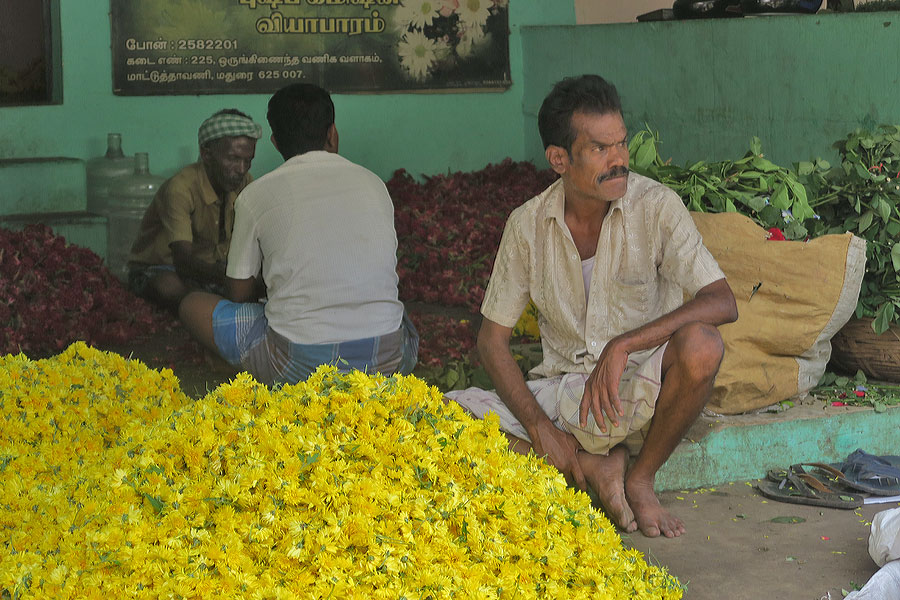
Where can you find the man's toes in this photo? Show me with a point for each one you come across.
(672, 528)
(650, 530)
(617, 510)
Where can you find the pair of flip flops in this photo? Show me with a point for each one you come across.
(838, 485)
(819, 487)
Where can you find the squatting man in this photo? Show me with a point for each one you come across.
(185, 234)
(606, 256)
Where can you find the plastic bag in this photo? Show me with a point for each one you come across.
(884, 538)
(884, 585)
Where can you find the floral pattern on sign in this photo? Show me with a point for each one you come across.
(442, 32)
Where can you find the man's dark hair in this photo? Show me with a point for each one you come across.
(300, 115)
(587, 94)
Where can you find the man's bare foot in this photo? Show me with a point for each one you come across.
(606, 476)
(651, 517)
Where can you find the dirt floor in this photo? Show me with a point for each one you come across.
(732, 549)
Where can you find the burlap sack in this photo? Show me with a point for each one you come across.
(804, 292)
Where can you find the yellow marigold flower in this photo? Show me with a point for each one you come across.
(354, 486)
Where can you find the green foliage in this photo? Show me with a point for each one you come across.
(857, 391)
(461, 374)
(861, 195)
(773, 196)
(455, 375)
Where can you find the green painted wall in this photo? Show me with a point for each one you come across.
(708, 86)
(424, 133)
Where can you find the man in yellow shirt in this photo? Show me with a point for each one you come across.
(606, 256)
(186, 232)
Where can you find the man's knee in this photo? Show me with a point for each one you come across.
(698, 350)
(167, 287)
(196, 306)
(196, 313)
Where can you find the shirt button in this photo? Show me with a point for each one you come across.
(574, 257)
(593, 343)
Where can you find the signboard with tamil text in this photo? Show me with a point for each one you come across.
(258, 46)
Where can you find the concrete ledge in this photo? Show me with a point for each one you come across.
(731, 448)
(79, 228)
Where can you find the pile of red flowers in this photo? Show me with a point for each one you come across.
(53, 294)
(449, 227)
(443, 338)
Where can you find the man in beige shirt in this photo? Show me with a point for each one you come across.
(185, 233)
(606, 256)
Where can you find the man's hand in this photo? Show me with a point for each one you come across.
(189, 267)
(601, 390)
(713, 304)
(559, 449)
(557, 446)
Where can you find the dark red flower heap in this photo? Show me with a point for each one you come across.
(52, 294)
(443, 338)
(449, 228)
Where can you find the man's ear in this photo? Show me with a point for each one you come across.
(208, 158)
(331, 139)
(558, 157)
(274, 143)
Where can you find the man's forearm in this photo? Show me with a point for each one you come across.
(714, 305)
(241, 290)
(509, 382)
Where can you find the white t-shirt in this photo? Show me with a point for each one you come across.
(322, 230)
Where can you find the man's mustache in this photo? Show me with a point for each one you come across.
(614, 172)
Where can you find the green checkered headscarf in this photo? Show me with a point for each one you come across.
(227, 125)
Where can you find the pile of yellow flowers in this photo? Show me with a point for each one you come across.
(114, 484)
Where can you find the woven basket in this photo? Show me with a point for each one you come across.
(857, 347)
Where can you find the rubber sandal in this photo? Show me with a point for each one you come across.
(799, 487)
(878, 475)
(828, 475)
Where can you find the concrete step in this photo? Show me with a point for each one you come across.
(42, 185)
(78, 227)
(719, 449)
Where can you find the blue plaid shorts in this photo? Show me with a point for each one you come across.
(244, 338)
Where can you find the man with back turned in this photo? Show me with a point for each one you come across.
(318, 232)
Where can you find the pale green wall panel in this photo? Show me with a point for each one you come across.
(42, 185)
(424, 133)
(708, 86)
